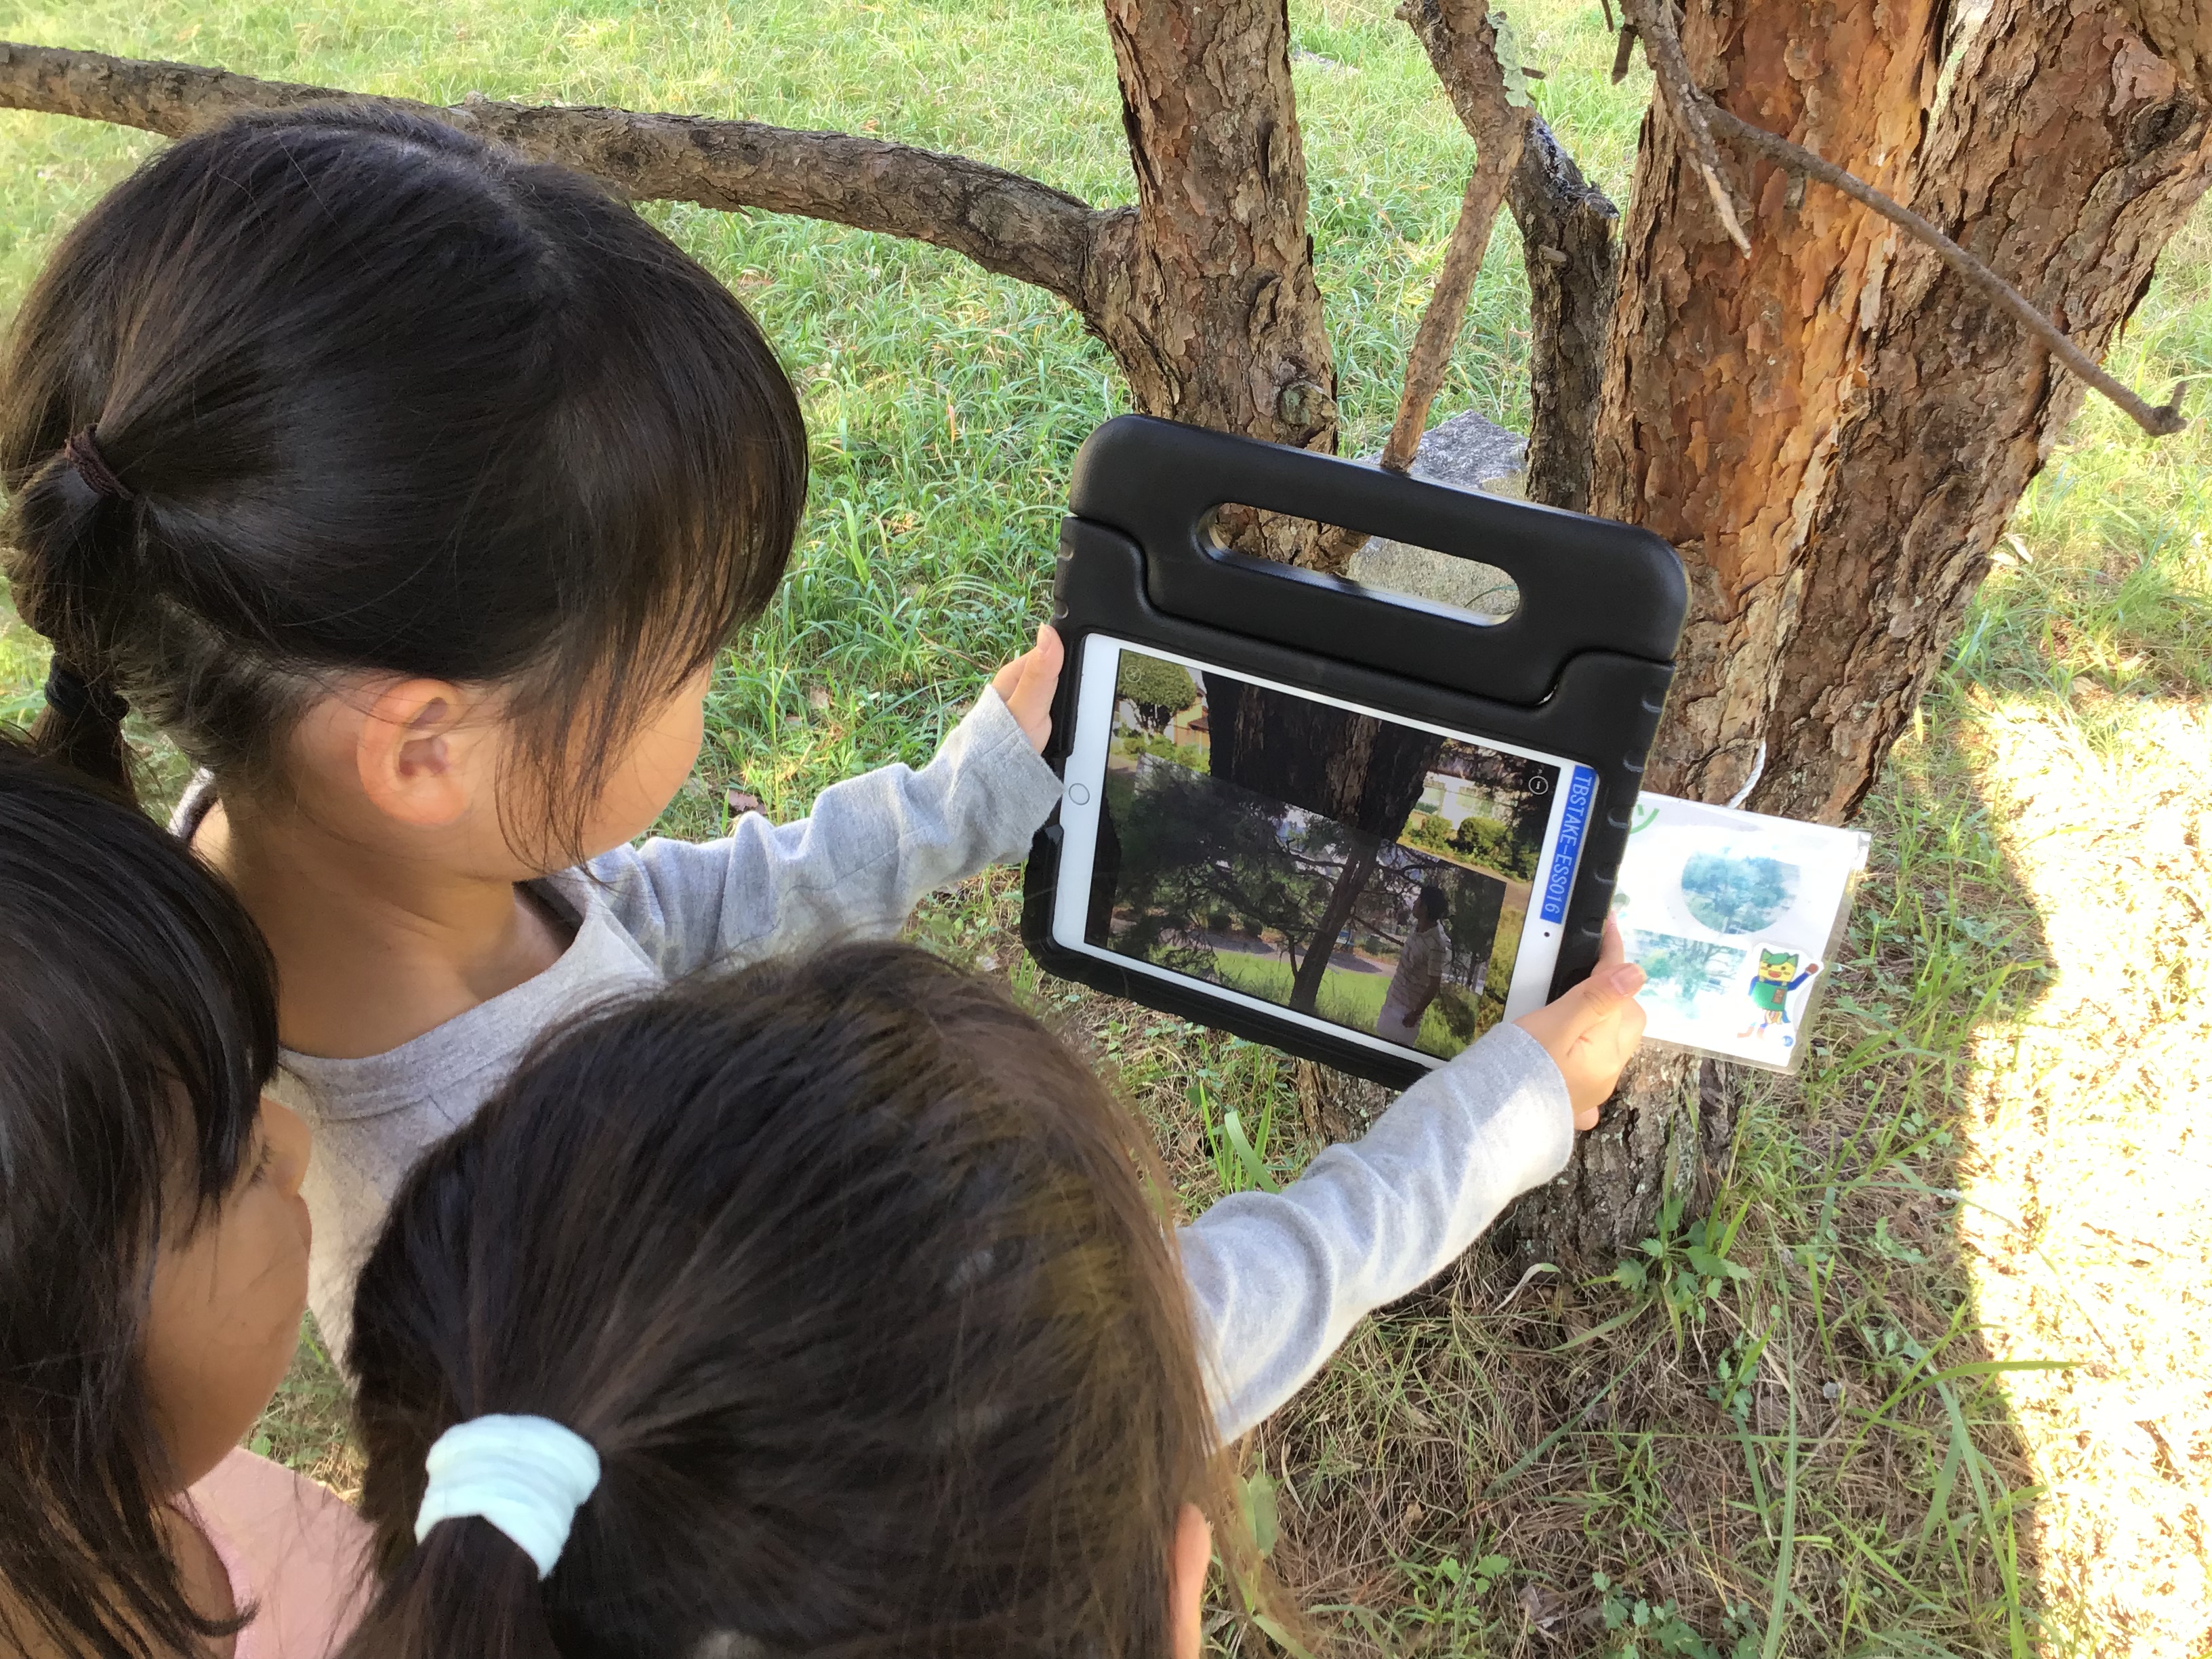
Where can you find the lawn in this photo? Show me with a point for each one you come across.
(1931, 1380)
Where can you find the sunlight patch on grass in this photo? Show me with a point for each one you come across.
(2089, 1212)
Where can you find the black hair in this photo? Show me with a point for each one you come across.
(137, 1028)
(847, 1269)
(1433, 903)
(356, 390)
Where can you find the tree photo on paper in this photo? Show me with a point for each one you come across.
(1369, 873)
(1694, 974)
(1738, 893)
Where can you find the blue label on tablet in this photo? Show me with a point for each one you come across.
(1573, 816)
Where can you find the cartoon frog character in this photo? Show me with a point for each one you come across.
(1776, 975)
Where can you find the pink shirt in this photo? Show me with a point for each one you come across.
(293, 1550)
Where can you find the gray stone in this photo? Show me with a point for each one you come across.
(1471, 454)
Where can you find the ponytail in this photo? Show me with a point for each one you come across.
(466, 1589)
(68, 512)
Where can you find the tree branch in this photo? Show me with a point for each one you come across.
(1686, 102)
(1459, 36)
(1572, 255)
(1431, 358)
(1572, 260)
(1006, 223)
(1696, 113)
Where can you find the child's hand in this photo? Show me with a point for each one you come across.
(1593, 1030)
(1027, 684)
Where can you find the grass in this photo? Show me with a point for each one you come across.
(1926, 1375)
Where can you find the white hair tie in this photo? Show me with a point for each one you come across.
(527, 1475)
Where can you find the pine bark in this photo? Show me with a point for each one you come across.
(1730, 382)
(1208, 296)
(2071, 148)
(1732, 378)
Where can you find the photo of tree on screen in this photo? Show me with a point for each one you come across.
(1369, 873)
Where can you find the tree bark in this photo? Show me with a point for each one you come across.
(2071, 148)
(1733, 377)
(1208, 296)
(1730, 380)
(1573, 260)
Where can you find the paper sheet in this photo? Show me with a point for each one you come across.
(1734, 916)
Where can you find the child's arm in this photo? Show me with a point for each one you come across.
(873, 847)
(1280, 1278)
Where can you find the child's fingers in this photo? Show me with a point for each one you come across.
(1608, 993)
(1585, 1119)
(1029, 682)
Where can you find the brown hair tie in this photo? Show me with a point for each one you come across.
(92, 466)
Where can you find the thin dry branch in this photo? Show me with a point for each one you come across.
(1431, 358)
(1686, 102)
(1697, 112)
(1572, 257)
(2160, 421)
(1464, 46)
(1004, 222)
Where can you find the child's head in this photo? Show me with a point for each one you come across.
(1431, 906)
(845, 1271)
(335, 421)
(152, 1246)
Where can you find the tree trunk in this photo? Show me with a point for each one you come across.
(1321, 949)
(1573, 261)
(2070, 149)
(1207, 296)
(1732, 377)
(1730, 381)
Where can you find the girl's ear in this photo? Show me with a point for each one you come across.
(1187, 1560)
(421, 760)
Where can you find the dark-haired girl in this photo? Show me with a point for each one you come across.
(411, 488)
(816, 1309)
(153, 1256)
(823, 1309)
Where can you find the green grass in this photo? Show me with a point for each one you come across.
(1784, 1430)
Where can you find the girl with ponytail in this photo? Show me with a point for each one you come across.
(410, 488)
(819, 1310)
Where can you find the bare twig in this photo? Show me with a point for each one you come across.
(1654, 20)
(1431, 358)
(1573, 261)
(2160, 422)
(1464, 46)
(1697, 113)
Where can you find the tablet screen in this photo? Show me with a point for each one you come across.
(1389, 879)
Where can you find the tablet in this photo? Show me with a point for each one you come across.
(1382, 880)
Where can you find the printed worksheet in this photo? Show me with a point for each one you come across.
(1734, 917)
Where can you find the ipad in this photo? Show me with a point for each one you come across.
(1382, 880)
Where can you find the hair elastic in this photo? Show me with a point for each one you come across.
(83, 453)
(73, 697)
(527, 1475)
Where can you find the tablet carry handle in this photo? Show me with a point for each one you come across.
(1586, 584)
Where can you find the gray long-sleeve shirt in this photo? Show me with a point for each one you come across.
(1276, 1279)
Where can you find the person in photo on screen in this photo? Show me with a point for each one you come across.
(1421, 973)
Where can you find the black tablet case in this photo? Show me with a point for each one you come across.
(1579, 670)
